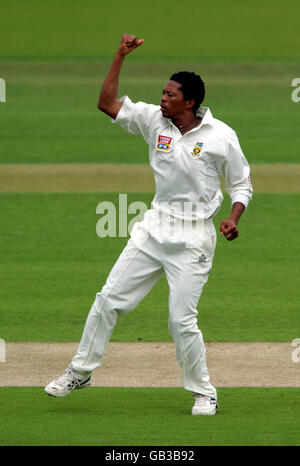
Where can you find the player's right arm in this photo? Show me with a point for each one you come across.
(108, 100)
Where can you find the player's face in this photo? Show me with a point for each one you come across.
(172, 101)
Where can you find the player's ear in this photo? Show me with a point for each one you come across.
(189, 104)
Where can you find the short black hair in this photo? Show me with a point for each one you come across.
(192, 86)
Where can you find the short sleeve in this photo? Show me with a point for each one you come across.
(136, 117)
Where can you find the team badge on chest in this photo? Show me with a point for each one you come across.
(197, 149)
(163, 143)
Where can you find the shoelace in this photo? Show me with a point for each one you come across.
(68, 378)
(203, 400)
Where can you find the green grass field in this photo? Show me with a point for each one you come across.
(200, 29)
(53, 57)
(148, 417)
(53, 263)
(51, 113)
(53, 83)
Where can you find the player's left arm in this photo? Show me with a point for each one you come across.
(236, 172)
(228, 227)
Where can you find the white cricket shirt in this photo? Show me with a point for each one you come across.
(188, 168)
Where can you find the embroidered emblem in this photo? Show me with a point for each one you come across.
(202, 258)
(197, 149)
(163, 143)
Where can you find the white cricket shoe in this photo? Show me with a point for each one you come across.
(204, 405)
(70, 380)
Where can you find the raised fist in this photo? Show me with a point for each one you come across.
(129, 43)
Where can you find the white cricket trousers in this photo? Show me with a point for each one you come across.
(130, 280)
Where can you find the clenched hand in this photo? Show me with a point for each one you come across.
(129, 43)
(229, 229)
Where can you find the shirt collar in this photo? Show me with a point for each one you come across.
(206, 115)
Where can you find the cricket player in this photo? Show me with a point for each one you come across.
(189, 151)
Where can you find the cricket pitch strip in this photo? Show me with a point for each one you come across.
(139, 364)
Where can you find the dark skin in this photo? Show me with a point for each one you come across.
(173, 106)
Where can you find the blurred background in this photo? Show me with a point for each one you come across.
(54, 56)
